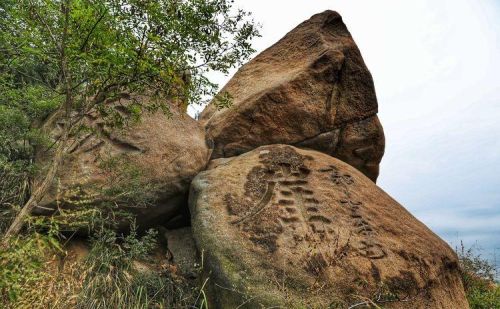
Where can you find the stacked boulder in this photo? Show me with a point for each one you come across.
(284, 210)
(287, 214)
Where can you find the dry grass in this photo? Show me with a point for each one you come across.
(112, 273)
(59, 287)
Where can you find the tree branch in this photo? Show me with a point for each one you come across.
(40, 19)
(91, 31)
(44, 186)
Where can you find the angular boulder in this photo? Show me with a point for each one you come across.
(311, 89)
(145, 168)
(290, 228)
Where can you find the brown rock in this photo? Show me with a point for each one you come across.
(280, 226)
(311, 89)
(144, 168)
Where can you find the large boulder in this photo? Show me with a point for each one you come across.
(291, 228)
(311, 89)
(144, 168)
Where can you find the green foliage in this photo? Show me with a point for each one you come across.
(76, 56)
(108, 271)
(113, 252)
(222, 100)
(478, 277)
(14, 188)
(21, 106)
(163, 47)
(104, 205)
(21, 263)
(484, 298)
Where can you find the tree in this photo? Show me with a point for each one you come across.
(79, 54)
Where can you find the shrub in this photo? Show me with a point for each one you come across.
(21, 264)
(478, 277)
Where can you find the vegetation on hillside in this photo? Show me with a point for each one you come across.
(478, 277)
(130, 271)
(119, 271)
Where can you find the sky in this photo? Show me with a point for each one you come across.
(436, 67)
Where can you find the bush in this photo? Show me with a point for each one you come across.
(478, 277)
(22, 106)
(14, 188)
(21, 264)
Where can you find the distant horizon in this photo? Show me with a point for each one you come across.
(435, 67)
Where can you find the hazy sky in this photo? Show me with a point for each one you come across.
(436, 66)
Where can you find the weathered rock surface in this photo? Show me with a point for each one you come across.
(145, 168)
(311, 89)
(181, 245)
(280, 226)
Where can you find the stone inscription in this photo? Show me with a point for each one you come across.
(368, 245)
(280, 210)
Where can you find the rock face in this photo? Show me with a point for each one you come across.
(280, 226)
(145, 168)
(310, 89)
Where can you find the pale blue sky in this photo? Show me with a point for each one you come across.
(436, 66)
